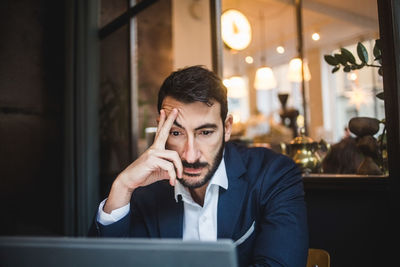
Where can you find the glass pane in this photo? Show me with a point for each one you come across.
(114, 106)
(275, 111)
(110, 10)
(170, 34)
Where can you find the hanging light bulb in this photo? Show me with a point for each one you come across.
(294, 74)
(236, 86)
(280, 49)
(315, 36)
(249, 60)
(265, 79)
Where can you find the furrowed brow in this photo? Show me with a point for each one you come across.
(207, 126)
(177, 124)
(204, 126)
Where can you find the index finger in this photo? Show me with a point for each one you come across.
(163, 134)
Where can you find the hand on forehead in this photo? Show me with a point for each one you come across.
(168, 106)
(169, 103)
(192, 113)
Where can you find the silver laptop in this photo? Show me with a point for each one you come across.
(69, 251)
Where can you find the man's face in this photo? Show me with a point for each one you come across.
(198, 135)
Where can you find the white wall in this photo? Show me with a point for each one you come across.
(191, 34)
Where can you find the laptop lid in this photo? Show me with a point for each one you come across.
(70, 251)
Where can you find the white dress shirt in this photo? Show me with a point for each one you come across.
(199, 223)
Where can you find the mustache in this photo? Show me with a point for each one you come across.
(194, 165)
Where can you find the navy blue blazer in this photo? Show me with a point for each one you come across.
(263, 209)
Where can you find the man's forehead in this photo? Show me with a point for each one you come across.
(170, 103)
(192, 115)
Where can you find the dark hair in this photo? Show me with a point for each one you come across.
(195, 84)
(343, 157)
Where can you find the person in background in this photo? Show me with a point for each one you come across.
(192, 183)
(343, 157)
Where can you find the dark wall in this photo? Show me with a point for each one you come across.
(354, 226)
(31, 124)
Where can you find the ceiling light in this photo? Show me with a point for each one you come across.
(315, 36)
(265, 79)
(249, 60)
(236, 87)
(280, 49)
(295, 73)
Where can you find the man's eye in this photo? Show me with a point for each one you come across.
(174, 133)
(206, 132)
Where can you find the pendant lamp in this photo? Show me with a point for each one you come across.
(295, 74)
(236, 84)
(265, 78)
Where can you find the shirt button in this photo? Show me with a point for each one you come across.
(204, 218)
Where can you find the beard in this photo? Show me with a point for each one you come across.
(207, 177)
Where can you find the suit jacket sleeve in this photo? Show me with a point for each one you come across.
(131, 225)
(282, 238)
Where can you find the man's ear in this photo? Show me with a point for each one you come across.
(228, 127)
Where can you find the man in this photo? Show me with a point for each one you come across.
(195, 185)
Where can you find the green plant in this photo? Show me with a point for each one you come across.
(347, 60)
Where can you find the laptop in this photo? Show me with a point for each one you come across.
(105, 252)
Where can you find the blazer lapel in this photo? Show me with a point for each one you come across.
(170, 218)
(230, 201)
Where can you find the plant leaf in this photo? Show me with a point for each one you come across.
(342, 60)
(348, 55)
(347, 68)
(335, 69)
(331, 60)
(380, 96)
(377, 49)
(380, 71)
(378, 43)
(362, 52)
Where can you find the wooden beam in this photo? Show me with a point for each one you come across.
(216, 40)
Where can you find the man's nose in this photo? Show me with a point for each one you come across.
(191, 153)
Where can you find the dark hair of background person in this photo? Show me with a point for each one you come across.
(195, 84)
(343, 157)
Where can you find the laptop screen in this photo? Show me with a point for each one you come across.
(70, 251)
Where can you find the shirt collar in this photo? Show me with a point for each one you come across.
(220, 178)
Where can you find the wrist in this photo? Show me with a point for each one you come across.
(122, 185)
(120, 195)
